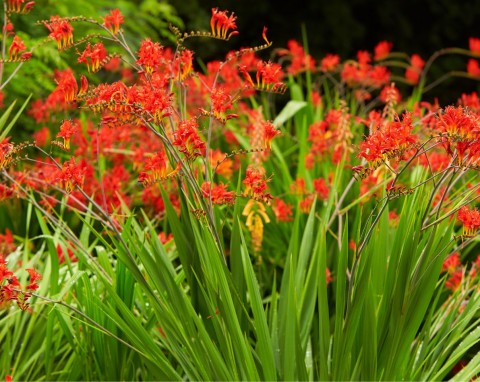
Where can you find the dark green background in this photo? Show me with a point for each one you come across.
(344, 27)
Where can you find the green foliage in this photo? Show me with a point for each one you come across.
(124, 304)
(129, 301)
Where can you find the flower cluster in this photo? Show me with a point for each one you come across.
(223, 26)
(11, 288)
(188, 141)
(113, 20)
(60, 30)
(94, 57)
(388, 141)
(470, 219)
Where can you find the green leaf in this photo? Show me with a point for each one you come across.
(290, 109)
(4, 118)
(265, 350)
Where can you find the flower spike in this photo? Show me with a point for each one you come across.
(223, 26)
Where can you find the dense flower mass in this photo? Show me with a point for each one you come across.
(218, 193)
(188, 140)
(172, 199)
(388, 141)
(156, 168)
(150, 55)
(71, 175)
(256, 184)
(11, 288)
(470, 219)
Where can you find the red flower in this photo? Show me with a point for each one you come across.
(183, 64)
(71, 175)
(34, 277)
(283, 211)
(83, 85)
(221, 101)
(156, 169)
(451, 263)
(473, 68)
(60, 31)
(298, 187)
(316, 98)
(269, 133)
(435, 161)
(93, 58)
(67, 129)
(412, 75)
(16, 6)
(28, 7)
(17, 46)
(5, 192)
(470, 219)
(390, 93)
(9, 29)
(352, 245)
(329, 63)
(378, 76)
(25, 56)
(474, 45)
(255, 184)
(267, 78)
(382, 50)
(268, 72)
(470, 101)
(305, 205)
(7, 244)
(164, 238)
(352, 74)
(301, 61)
(329, 276)
(223, 26)
(390, 140)
(188, 140)
(66, 85)
(6, 152)
(455, 280)
(457, 122)
(417, 62)
(413, 72)
(264, 35)
(321, 188)
(61, 256)
(113, 20)
(218, 193)
(150, 55)
(363, 58)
